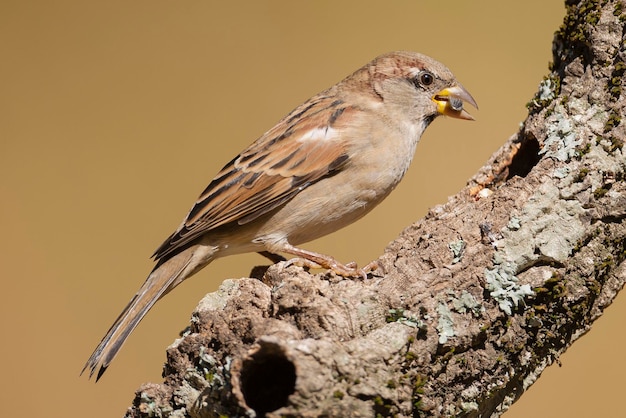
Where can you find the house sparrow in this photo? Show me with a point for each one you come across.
(323, 166)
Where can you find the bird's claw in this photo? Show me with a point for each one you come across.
(350, 269)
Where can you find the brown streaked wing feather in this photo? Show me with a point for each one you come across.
(268, 173)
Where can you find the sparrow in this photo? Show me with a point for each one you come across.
(323, 166)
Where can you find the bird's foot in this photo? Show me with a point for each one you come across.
(311, 259)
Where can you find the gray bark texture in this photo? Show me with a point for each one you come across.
(470, 304)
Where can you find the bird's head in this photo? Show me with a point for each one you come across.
(418, 86)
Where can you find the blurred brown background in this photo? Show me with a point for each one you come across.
(114, 116)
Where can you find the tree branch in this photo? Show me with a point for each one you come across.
(472, 302)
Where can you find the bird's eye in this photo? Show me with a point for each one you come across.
(426, 78)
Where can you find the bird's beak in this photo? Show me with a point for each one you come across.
(450, 102)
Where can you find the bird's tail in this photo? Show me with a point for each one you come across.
(165, 276)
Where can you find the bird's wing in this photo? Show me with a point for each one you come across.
(301, 149)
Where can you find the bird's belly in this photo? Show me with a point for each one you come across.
(328, 206)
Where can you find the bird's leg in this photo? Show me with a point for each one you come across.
(316, 260)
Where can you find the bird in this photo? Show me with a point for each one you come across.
(321, 167)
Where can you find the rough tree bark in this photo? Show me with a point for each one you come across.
(472, 302)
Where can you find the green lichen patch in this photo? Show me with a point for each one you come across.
(562, 141)
(445, 325)
(548, 90)
(457, 248)
(503, 286)
(466, 303)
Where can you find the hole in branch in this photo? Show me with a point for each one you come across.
(267, 379)
(525, 159)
